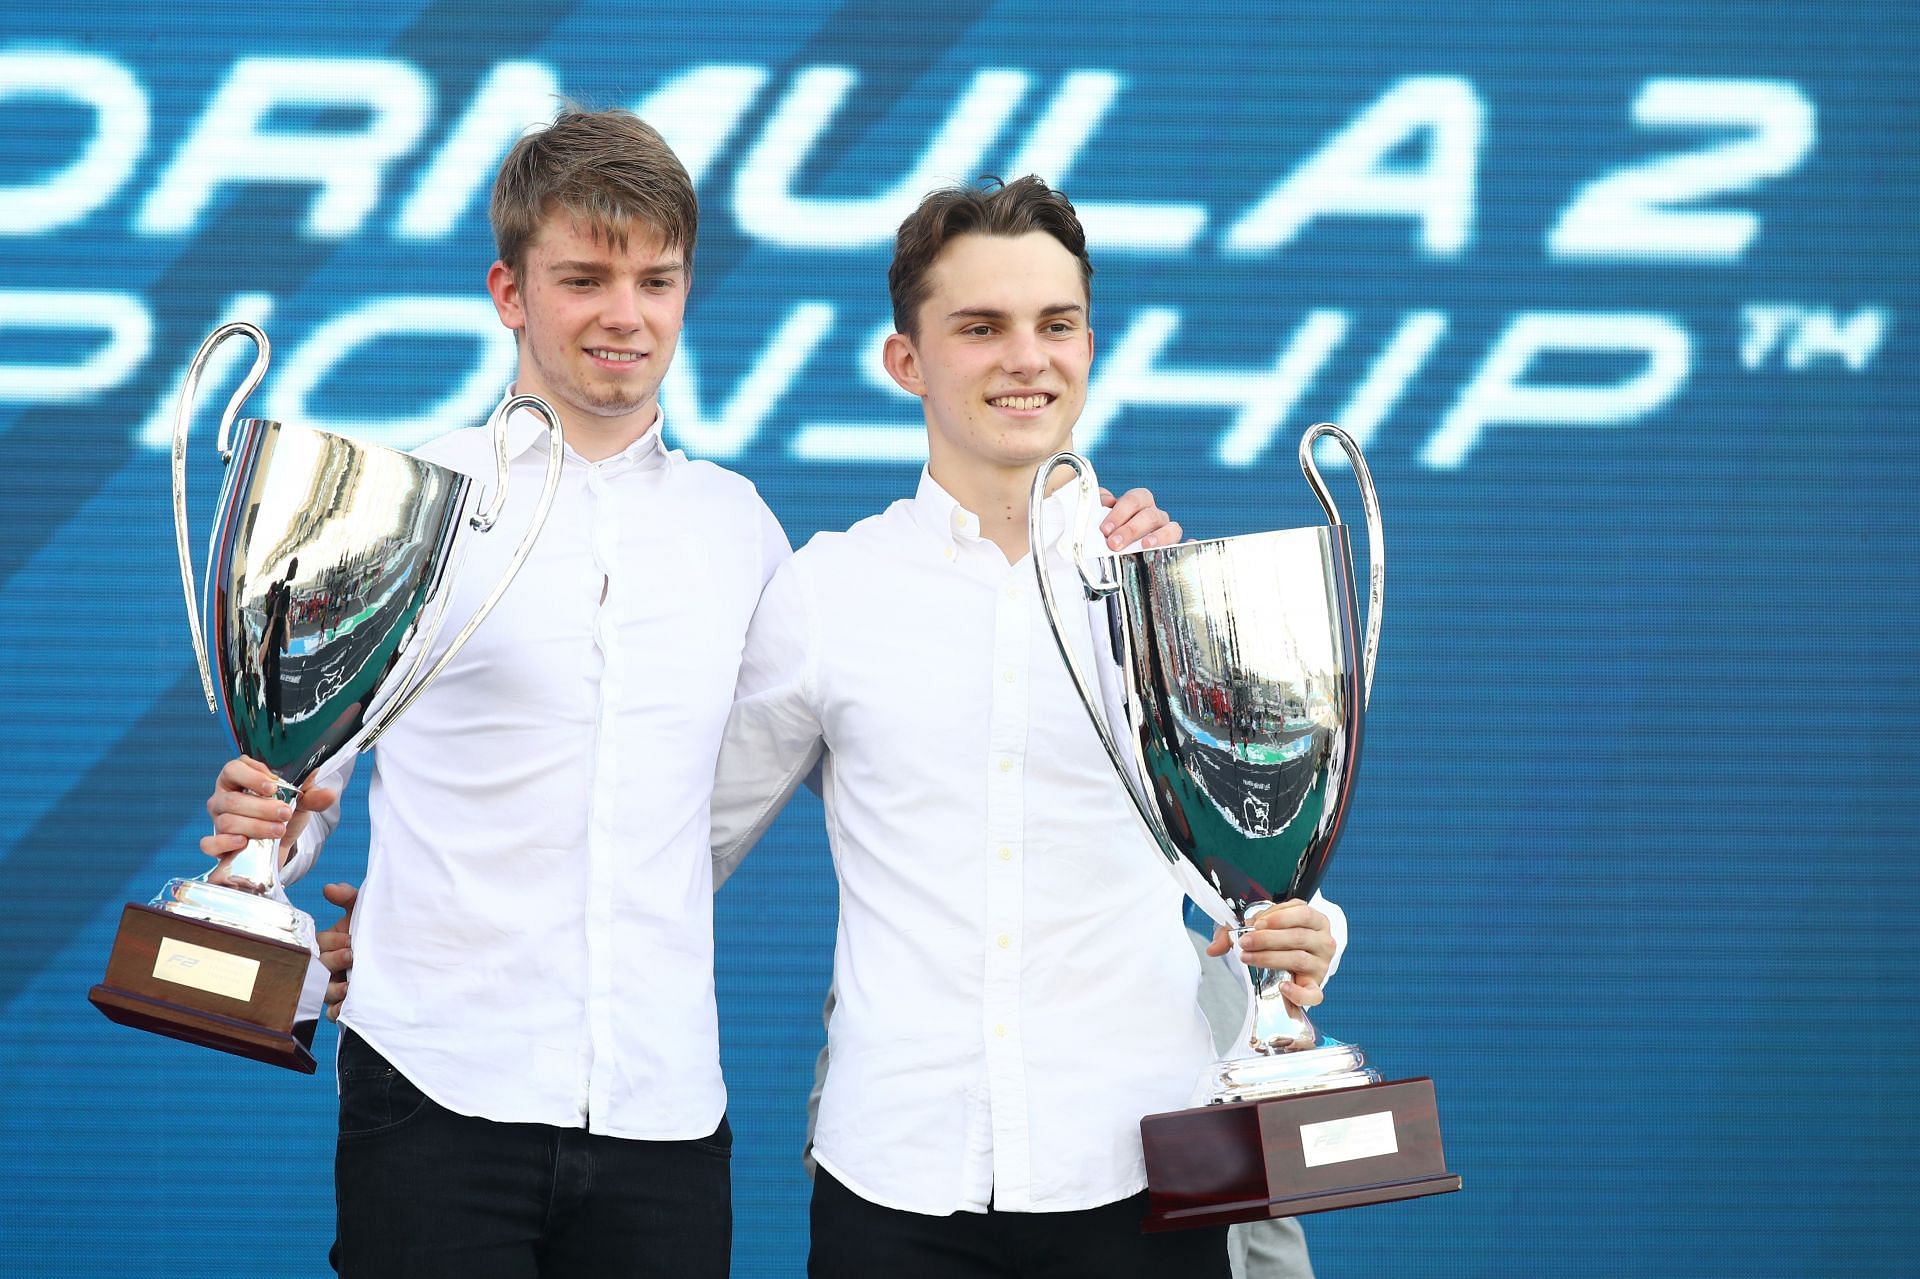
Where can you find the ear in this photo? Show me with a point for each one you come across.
(903, 364)
(504, 288)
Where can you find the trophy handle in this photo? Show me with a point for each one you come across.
(1376, 548)
(1099, 575)
(481, 522)
(1101, 579)
(182, 422)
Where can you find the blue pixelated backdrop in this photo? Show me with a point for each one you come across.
(1617, 296)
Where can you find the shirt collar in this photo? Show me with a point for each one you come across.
(942, 517)
(649, 452)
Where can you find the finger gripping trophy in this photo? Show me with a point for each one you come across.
(1230, 697)
(328, 574)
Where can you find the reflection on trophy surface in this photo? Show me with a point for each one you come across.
(1231, 699)
(328, 574)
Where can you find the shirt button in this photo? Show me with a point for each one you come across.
(1006, 854)
(1006, 765)
(949, 552)
(1003, 941)
(1000, 1032)
(1013, 592)
(959, 520)
(1006, 677)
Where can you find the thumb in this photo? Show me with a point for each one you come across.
(317, 799)
(341, 895)
(1219, 945)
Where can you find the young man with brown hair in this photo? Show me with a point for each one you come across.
(1013, 984)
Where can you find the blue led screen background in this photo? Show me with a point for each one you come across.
(1618, 297)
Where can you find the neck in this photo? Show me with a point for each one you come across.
(599, 438)
(593, 437)
(997, 495)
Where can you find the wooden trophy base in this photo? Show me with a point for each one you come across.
(1287, 1156)
(208, 984)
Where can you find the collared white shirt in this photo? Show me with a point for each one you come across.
(1014, 984)
(533, 941)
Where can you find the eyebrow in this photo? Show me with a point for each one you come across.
(989, 313)
(589, 268)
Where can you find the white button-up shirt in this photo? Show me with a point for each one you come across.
(534, 941)
(1014, 985)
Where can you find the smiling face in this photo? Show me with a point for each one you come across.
(597, 325)
(1001, 357)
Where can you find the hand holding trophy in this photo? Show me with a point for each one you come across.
(328, 575)
(1231, 699)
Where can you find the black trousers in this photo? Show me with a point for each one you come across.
(423, 1192)
(855, 1239)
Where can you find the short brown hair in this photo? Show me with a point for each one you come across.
(610, 169)
(986, 207)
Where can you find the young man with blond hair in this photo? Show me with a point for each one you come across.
(529, 1063)
(1013, 985)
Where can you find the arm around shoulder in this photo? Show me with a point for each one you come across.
(773, 736)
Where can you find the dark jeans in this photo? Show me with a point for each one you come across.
(423, 1192)
(854, 1239)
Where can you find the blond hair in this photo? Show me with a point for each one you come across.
(610, 169)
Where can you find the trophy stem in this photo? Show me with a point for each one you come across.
(256, 868)
(1283, 1054)
(1278, 1026)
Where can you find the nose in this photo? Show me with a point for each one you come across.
(1024, 354)
(620, 309)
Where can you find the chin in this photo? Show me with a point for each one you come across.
(607, 401)
(1038, 445)
(616, 408)
(1027, 458)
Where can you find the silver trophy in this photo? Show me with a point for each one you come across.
(1230, 695)
(328, 574)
